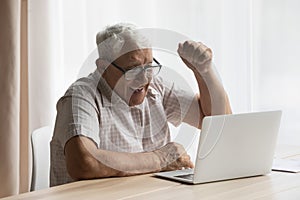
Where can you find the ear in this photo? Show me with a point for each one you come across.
(102, 64)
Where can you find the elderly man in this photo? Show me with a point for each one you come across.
(115, 121)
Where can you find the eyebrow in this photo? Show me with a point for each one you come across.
(136, 64)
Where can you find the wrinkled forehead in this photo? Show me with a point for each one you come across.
(136, 57)
(135, 42)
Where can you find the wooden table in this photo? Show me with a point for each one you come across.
(277, 185)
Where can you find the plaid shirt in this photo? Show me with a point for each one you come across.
(90, 108)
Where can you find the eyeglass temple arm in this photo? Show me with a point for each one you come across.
(156, 61)
(118, 67)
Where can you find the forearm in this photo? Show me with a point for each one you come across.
(213, 99)
(172, 156)
(110, 163)
(85, 161)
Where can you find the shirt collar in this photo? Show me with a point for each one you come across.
(108, 96)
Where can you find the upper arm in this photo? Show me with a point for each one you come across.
(77, 127)
(194, 116)
(79, 151)
(76, 116)
(180, 105)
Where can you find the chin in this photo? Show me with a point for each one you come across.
(138, 98)
(135, 103)
(134, 100)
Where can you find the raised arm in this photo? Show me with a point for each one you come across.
(85, 161)
(213, 99)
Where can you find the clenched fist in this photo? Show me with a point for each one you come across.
(195, 55)
(173, 157)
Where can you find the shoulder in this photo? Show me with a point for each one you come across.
(84, 87)
(83, 90)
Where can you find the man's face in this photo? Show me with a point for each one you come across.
(132, 91)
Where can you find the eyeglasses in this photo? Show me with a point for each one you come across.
(150, 70)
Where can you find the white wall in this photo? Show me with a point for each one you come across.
(276, 52)
(255, 43)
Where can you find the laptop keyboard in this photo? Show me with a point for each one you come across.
(186, 176)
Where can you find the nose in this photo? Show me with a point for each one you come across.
(141, 78)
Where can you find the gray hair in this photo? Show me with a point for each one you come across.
(119, 39)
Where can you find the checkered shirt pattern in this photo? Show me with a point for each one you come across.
(90, 108)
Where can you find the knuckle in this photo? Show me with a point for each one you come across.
(188, 157)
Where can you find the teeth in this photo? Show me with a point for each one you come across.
(138, 89)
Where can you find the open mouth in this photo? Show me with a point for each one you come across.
(138, 90)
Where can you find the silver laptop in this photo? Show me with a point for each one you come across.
(232, 146)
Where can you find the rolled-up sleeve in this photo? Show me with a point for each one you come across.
(76, 116)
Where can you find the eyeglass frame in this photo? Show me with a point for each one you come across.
(143, 67)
